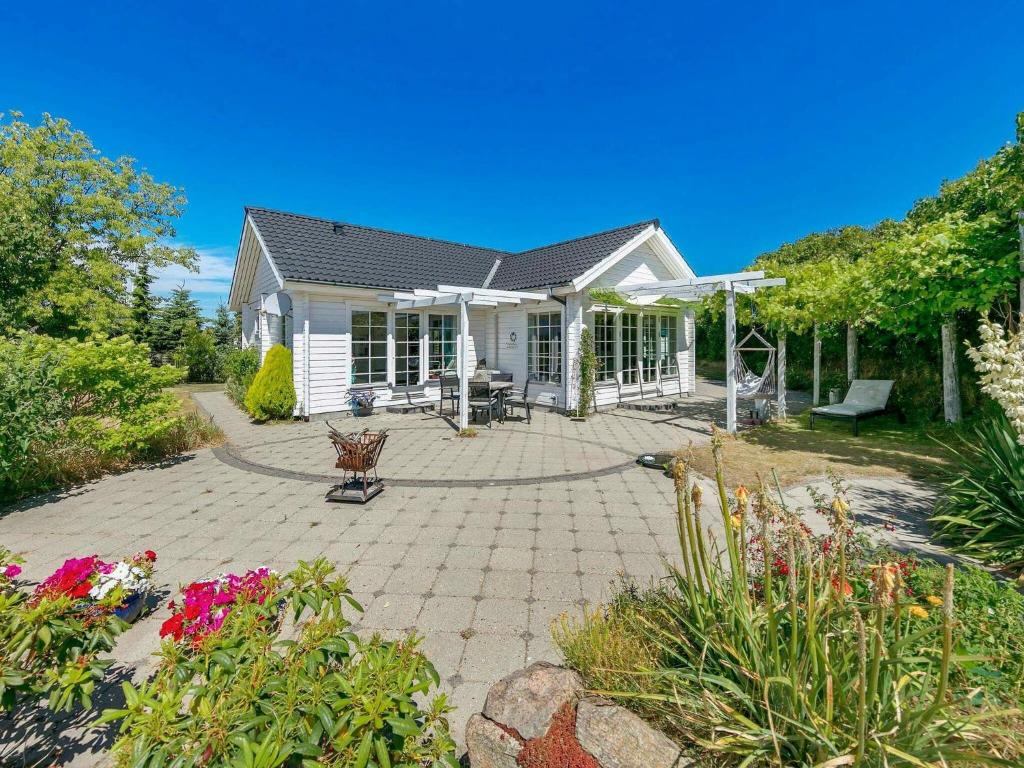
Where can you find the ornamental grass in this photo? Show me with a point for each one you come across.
(774, 649)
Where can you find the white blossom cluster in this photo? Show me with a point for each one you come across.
(131, 579)
(1000, 361)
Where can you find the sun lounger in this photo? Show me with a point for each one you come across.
(866, 398)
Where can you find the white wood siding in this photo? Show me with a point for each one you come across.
(641, 265)
(329, 351)
(511, 356)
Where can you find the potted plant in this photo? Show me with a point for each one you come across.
(120, 587)
(362, 401)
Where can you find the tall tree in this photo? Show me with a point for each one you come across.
(74, 227)
(179, 315)
(144, 305)
(224, 331)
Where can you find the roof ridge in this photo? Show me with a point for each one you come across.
(648, 222)
(378, 229)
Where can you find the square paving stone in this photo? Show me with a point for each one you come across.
(368, 578)
(508, 559)
(555, 561)
(488, 658)
(390, 611)
(513, 584)
(423, 555)
(411, 580)
(543, 612)
(558, 539)
(515, 538)
(476, 537)
(443, 612)
(468, 557)
(459, 582)
(501, 616)
(556, 586)
(600, 562)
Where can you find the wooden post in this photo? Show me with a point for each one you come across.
(817, 366)
(781, 362)
(950, 379)
(730, 359)
(463, 365)
(852, 363)
(1020, 238)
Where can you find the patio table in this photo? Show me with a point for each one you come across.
(501, 387)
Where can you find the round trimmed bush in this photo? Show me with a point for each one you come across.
(272, 393)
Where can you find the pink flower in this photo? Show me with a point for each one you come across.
(12, 571)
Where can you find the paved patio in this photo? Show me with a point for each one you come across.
(476, 544)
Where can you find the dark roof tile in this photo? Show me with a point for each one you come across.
(306, 248)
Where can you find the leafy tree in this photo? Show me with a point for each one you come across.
(178, 315)
(198, 353)
(74, 226)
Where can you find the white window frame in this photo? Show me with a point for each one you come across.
(453, 319)
(611, 357)
(554, 355)
(415, 376)
(388, 357)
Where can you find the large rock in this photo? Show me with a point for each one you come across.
(619, 739)
(489, 745)
(527, 699)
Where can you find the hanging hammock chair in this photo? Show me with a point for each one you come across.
(748, 383)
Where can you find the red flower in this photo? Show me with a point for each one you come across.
(150, 555)
(173, 627)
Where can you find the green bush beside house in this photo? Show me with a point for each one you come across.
(272, 392)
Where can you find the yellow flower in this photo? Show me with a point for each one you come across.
(918, 612)
(737, 521)
(839, 506)
(742, 494)
(934, 600)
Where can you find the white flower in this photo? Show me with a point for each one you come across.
(1000, 361)
(125, 575)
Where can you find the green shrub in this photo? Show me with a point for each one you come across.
(981, 509)
(272, 392)
(769, 655)
(587, 365)
(50, 647)
(990, 627)
(71, 409)
(242, 696)
(239, 368)
(198, 355)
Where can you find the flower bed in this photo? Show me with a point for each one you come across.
(206, 604)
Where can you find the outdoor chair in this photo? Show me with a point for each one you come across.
(449, 391)
(516, 398)
(358, 453)
(482, 398)
(866, 398)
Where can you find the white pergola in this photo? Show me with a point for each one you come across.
(465, 297)
(697, 288)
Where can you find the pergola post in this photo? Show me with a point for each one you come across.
(730, 359)
(463, 361)
(780, 401)
(817, 367)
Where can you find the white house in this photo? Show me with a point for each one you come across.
(364, 308)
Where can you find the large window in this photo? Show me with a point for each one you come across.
(407, 349)
(669, 344)
(650, 348)
(604, 345)
(630, 337)
(544, 346)
(369, 347)
(441, 344)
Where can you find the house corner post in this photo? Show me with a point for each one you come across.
(463, 355)
(730, 360)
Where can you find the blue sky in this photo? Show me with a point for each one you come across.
(511, 125)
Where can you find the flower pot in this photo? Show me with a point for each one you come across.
(362, 410)
(131, 608)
